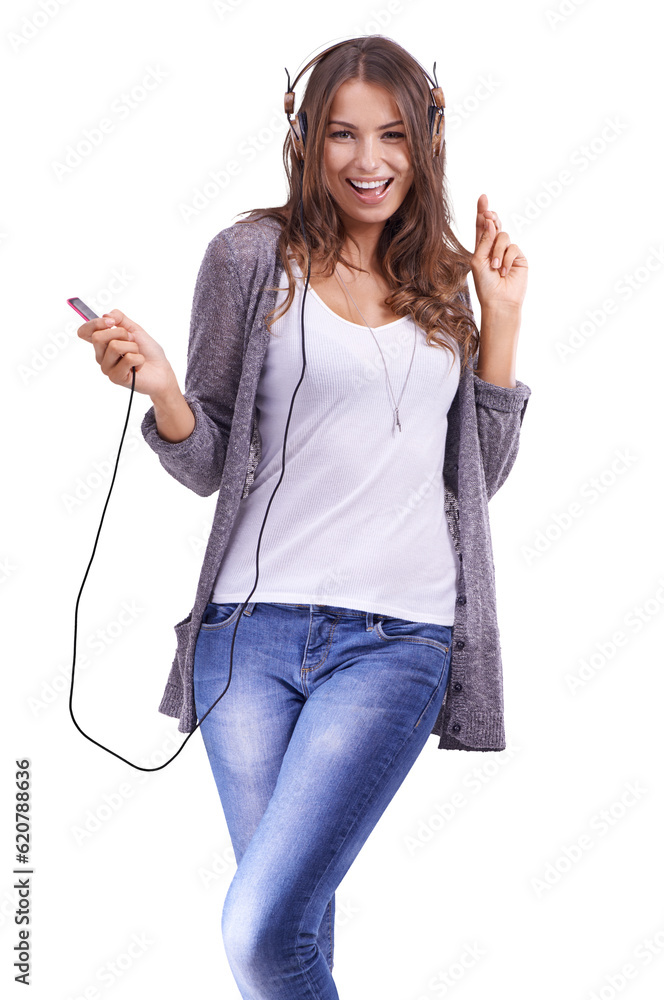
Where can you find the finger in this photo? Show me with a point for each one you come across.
(93, 331)
(482, 207)
(494, 218)
(489, 239)
(483, 211)
(86, 329)
(121, 373)
(500, 245)
(122, 320)
(484, 236)
(496, 221)
(115, 351)
(512, 258)
(124, 327)
(102, 338)
(479, 229)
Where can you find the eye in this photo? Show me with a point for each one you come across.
(334, 135)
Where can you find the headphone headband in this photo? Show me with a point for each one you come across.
(436, 110)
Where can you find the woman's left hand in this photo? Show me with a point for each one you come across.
(504, 284)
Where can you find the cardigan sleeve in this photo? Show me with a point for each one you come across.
(214, 365)
(500, 412)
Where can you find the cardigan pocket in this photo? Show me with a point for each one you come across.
(172, 698)
(255, 454)
(451, 504)
(182, 630)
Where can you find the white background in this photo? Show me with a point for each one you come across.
(471, 877)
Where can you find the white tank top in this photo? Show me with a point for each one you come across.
(358, 519)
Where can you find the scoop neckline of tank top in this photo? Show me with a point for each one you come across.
(361, 326)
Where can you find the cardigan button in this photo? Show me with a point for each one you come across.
(459, 644)
(461, 599)
(457, 687)
(456, 727)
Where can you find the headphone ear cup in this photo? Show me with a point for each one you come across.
(302, 122)
(298, 135)
(436, 130)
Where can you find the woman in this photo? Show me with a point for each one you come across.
(375, 597)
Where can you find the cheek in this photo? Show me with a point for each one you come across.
(334, 159)
(408, 175)
(407, 166)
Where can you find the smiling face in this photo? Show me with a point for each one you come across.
(365, 141)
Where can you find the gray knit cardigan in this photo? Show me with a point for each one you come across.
(236, 287)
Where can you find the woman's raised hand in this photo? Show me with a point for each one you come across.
(121, 344)
(500, 269)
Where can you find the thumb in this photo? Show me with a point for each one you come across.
(120, 319)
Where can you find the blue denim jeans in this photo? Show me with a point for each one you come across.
(327, 710)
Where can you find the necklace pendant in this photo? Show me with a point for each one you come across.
(397, 422)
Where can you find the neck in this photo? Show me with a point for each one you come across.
(367, 236)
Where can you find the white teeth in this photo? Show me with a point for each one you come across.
(368, 184)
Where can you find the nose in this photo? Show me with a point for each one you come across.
(367, 153)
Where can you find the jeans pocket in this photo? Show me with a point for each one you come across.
(438, 637)
(218, 616)
(391, 629)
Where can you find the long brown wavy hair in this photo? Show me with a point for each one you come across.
(423, 262)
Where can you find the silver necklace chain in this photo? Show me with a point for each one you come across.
(396, 405)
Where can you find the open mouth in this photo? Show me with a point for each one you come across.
(371, 195)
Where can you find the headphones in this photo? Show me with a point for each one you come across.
(436, 118)
(436, 110)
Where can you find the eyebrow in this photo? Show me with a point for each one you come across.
(348, 124)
